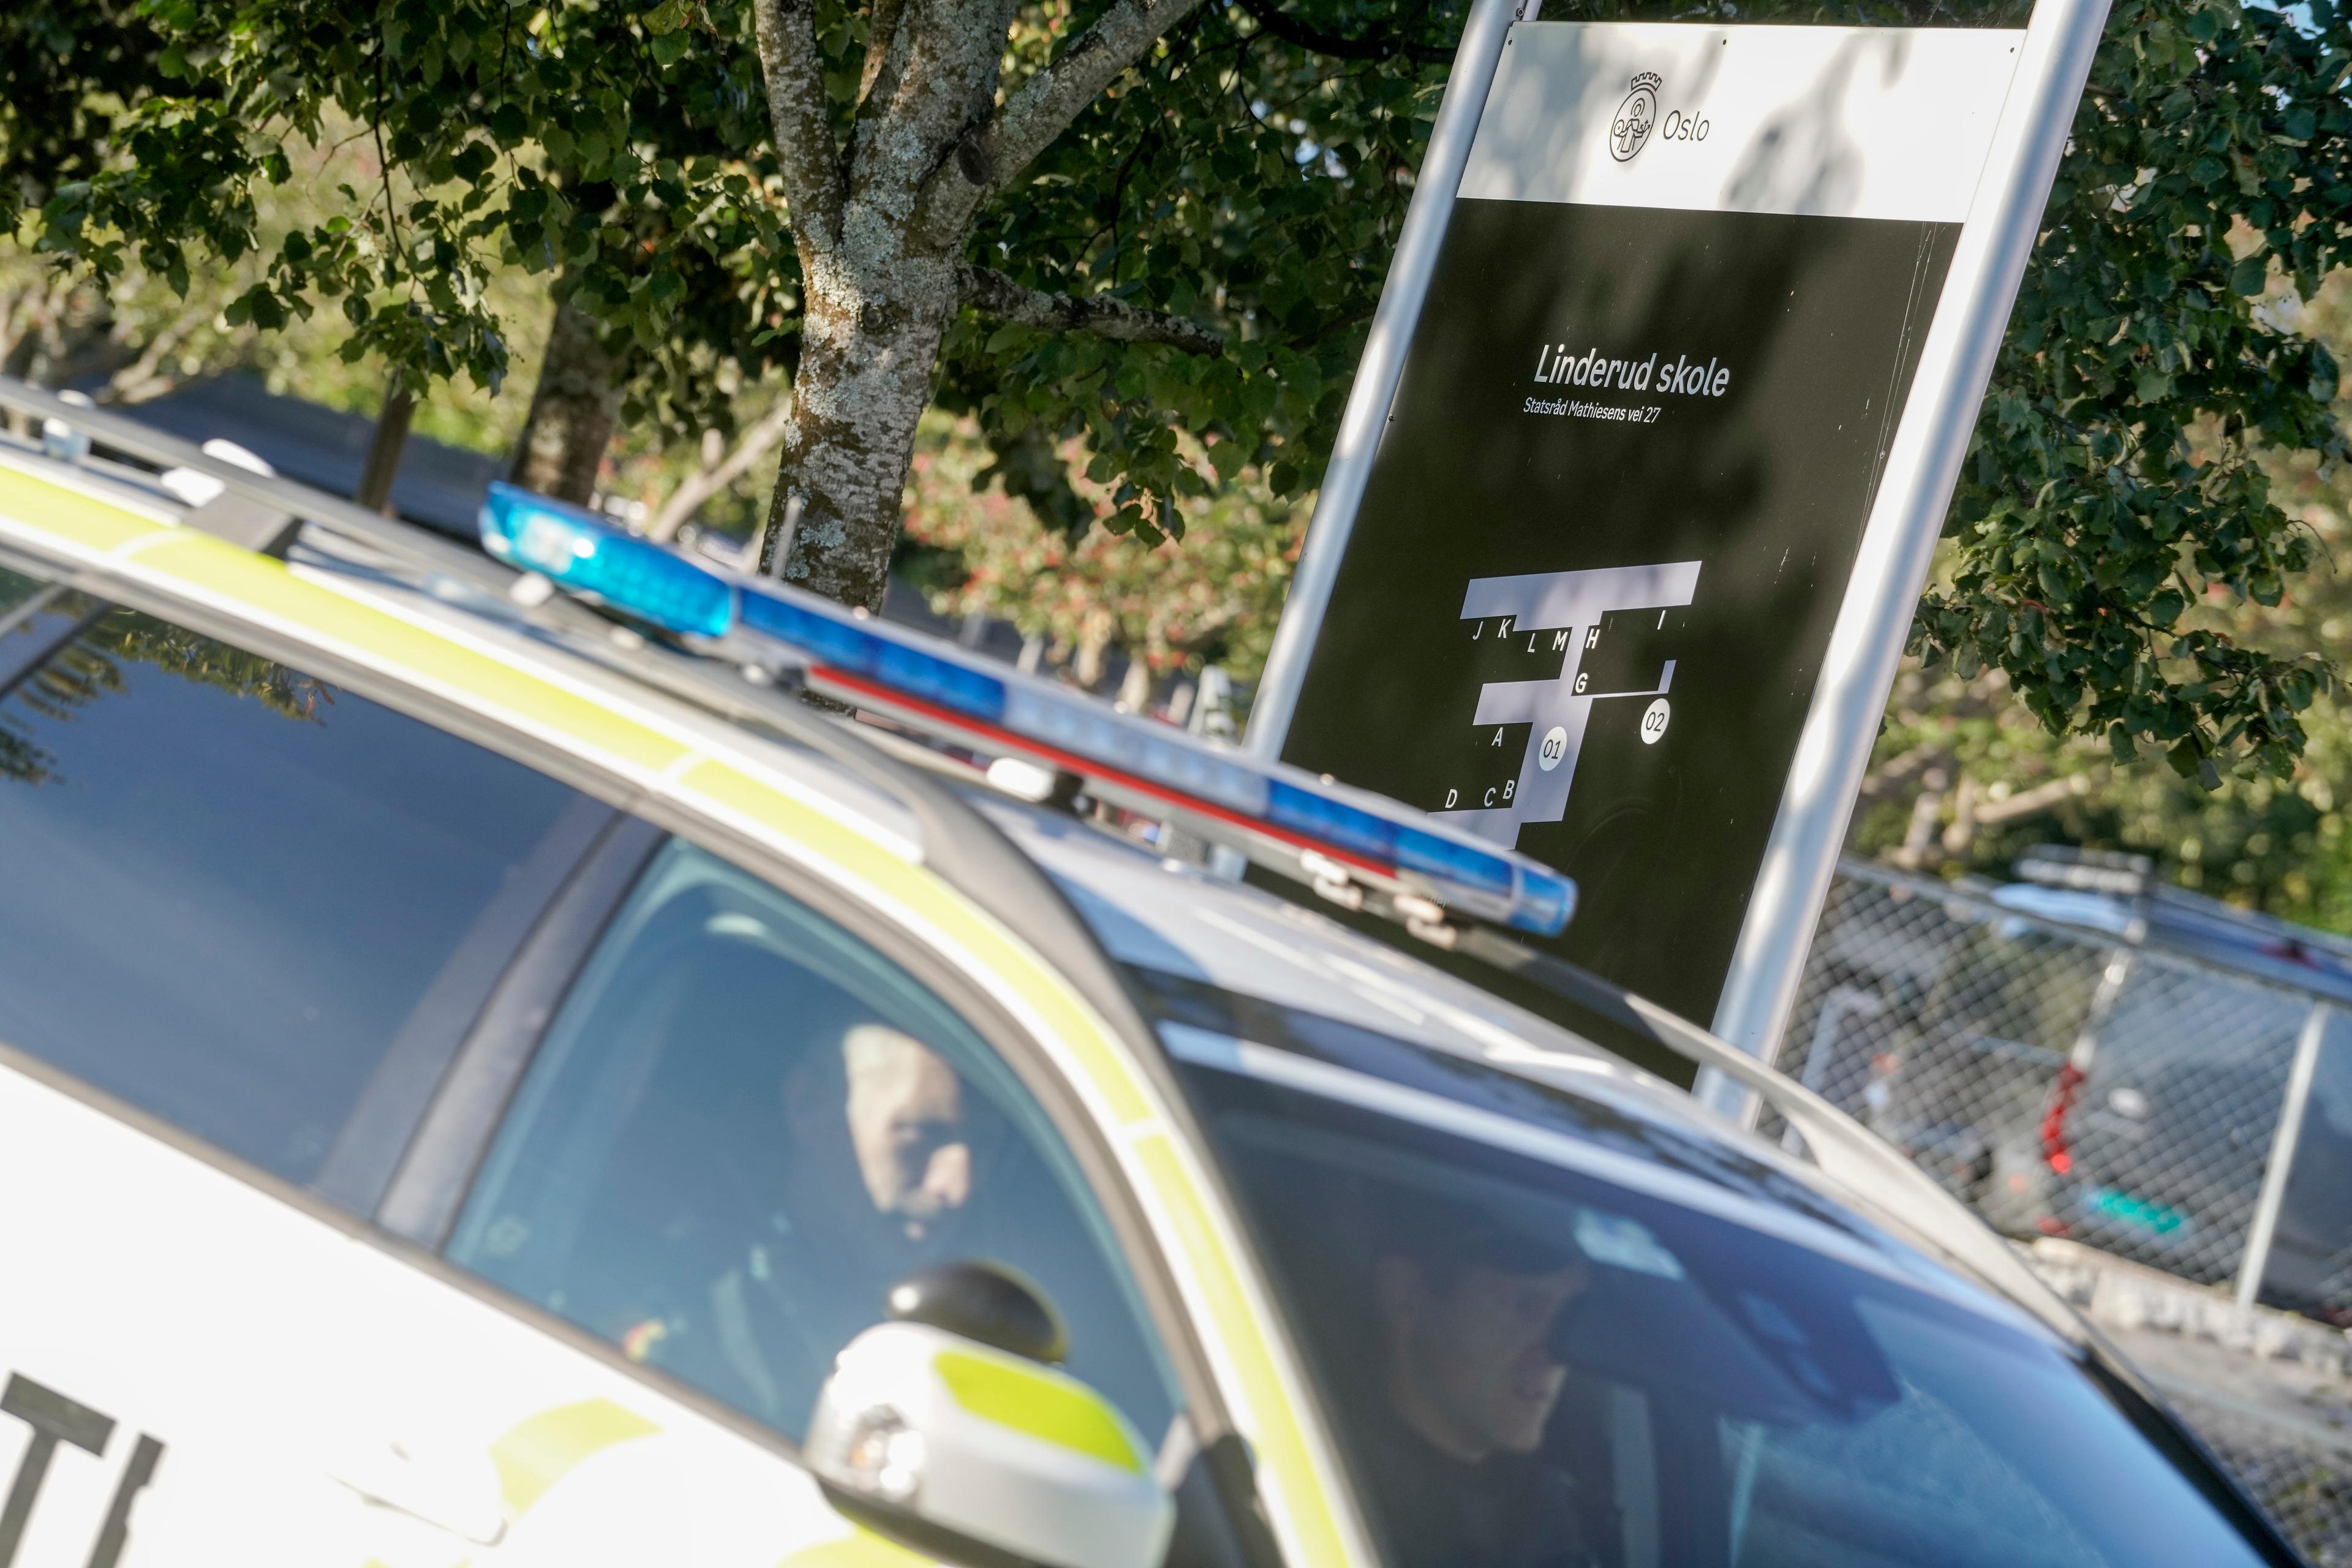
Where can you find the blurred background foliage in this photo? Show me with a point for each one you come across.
(137, 336)
(1174, 607)
(1966, 776)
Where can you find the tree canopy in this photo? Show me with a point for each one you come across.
(2115, 484)
(1159, 229)
(1965, 777)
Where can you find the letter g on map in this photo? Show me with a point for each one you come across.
(1631, 128)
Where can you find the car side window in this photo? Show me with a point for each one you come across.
(744, 1124)
(227, 887)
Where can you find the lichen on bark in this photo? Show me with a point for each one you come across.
(880, 220)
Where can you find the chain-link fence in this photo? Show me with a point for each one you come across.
(2070, 1082)
(2066, 1082)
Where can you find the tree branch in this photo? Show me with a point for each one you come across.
(383, 162)
(881, 29)
(991, 293)
(137, 381)
(2031, 802)
(1371, 46)
(797, 114)
(699, 487)
(1042, 107)
(937, 85)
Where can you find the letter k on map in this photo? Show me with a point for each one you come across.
(1558, 711)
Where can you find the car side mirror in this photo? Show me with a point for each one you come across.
(983, 1301)
(972, 1451)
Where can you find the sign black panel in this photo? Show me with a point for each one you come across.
(1604, 541)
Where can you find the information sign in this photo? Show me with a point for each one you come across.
(1616, 502)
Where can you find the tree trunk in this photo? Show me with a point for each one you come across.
(1135, 688)
(385, 448)
(880, 226)
(574, 411)
(869, 341)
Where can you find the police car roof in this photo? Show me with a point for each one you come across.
(1172, 919)
(1142, 909)
(1138, 908)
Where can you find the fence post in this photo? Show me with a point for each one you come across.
(2282, 1159)
(2102, 1002)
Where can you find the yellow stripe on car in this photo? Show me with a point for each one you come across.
(1284, 1446)
(1029, 1399)
(860, 1549)
(1305, 1506)
(541, 1450)
(70, 514)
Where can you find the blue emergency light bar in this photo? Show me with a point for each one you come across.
(1278, 814)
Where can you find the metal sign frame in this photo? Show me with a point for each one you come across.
(1898, 539)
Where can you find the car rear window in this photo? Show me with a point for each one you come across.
(226, 886)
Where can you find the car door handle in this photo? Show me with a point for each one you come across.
(459, 1493)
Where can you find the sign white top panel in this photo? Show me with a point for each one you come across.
(1811, 122)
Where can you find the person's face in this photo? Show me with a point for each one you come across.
(905, 1126)
(1470, 1367)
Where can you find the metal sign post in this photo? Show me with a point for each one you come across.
(1899, 542)
(1654, 435)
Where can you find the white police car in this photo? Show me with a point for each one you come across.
(484, 1083)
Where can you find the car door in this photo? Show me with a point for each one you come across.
(273, 957)
(246, 919)
(742, 1124)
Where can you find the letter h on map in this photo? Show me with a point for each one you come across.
(1556, 711)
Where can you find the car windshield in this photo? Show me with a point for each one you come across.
(1536, 1349)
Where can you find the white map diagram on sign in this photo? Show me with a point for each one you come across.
(1570, 605)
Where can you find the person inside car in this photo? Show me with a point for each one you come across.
(1466, 1309)
(879, 1166)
